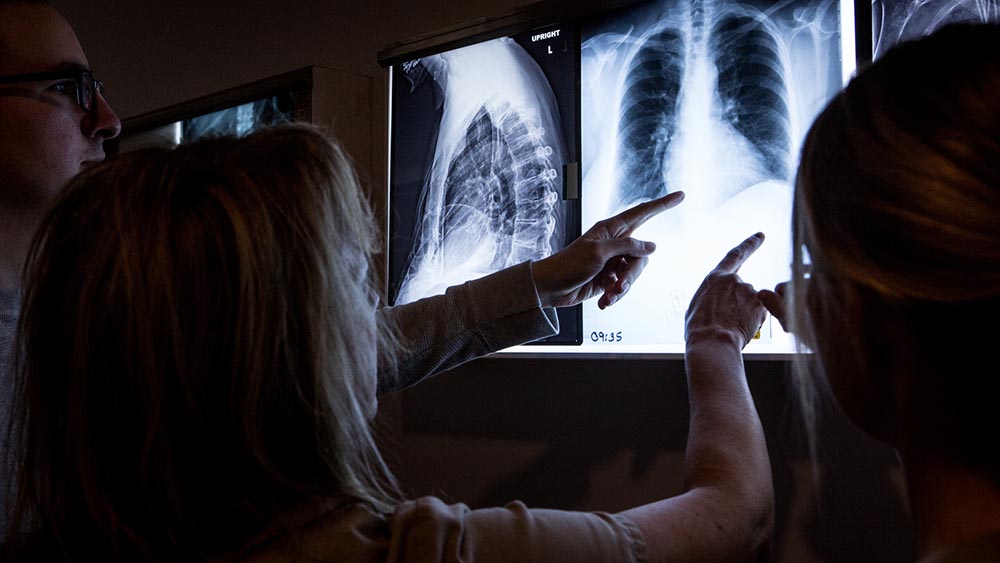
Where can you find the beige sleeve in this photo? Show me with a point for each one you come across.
(470, 320)
(428, 530)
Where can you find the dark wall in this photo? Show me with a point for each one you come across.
(608, 435)
(152, 54)
(589, 435)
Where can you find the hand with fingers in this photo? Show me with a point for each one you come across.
(604, 261)
(724, 305)
(727, 469)
(776, 302)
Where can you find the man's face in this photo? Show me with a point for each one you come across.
(46, 137)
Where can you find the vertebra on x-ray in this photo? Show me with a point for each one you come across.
(491, 196)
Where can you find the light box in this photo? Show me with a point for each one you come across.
(508, 138)
(333, 99)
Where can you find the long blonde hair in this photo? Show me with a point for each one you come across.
(193, 361)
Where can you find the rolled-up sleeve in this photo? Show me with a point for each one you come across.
(428, 530)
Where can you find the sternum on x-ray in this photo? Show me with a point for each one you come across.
(713, 98)
(477, 181)
(895, 21)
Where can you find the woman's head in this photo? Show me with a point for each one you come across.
(896, 208)
(198, 344)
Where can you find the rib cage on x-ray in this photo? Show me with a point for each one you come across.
(491, 197)
(501, 181)
(711, 97)
(750, 93)
(894, 21)
(752, 87)
(649, 114)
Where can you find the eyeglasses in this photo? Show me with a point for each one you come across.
(86, 85)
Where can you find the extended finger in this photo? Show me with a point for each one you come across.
(630, 219)
(623, 246)
(738, 255)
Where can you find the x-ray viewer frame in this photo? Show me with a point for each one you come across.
(574, 26)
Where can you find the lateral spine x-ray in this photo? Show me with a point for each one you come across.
(491, 197)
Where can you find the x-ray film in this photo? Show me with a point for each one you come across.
(481, 136)
(236, 120)
(241, 119)
(712, 98)
(895, 21)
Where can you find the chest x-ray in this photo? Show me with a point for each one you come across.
(713, 98)
(490, 188)
(895, 21)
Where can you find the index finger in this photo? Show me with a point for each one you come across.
(630, 219)
(738, 255)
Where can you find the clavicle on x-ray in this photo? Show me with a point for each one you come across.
(491, 197)
(895, 21)
(712, 98)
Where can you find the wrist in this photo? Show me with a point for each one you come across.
(541, 275)
(714, 337)
(539, 278)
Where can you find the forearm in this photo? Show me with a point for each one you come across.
(726, 454)
(727, 510)
(468, 321)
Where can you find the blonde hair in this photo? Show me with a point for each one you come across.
(193, 361)
(896, 206)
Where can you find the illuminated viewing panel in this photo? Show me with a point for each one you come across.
(237, 120)
(895, 21)
(482, 136)
(713, 99)
(506, 149)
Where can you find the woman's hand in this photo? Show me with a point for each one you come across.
(776, 302)
(605, 260)
(724, 305)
